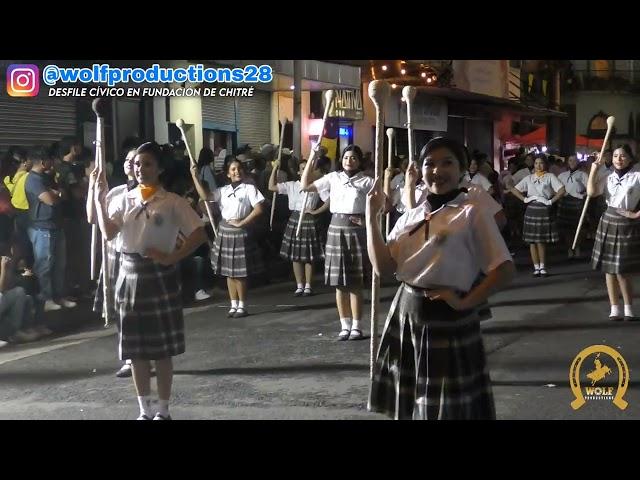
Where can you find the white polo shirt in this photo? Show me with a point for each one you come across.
(154, 223)
(478, 179)
(623, 192)
(295, 196)
(347, 195)
(237, 203)
(575, 183)
(545, 186)
(463, 240)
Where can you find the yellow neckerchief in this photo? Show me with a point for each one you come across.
(539, 174)
(147, 191)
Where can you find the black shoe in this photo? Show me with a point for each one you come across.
(298, 292)
(307, 292)
(631, 319)
(617, 319)
(144, 417)
(125, 371)
(344, 334)
(231, 312)
(240, 312)
(161, 417)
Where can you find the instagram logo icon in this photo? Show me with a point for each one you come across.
(23, 80)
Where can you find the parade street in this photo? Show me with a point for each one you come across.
(283, 361)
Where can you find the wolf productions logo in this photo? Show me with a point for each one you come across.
(599, 367)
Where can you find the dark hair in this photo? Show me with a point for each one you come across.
(66, 143)
(38, 153)
(544, 159)
(355, 149)
(627, 149)
(459, 151)
(153, 149)
(227, 164)
(205, 157)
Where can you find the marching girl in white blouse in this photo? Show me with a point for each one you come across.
(305, 249)
(570, 206)
(235, 254)
(542, 190)
(431, 362)
(148, 294)
(617, 247)
(346, 264)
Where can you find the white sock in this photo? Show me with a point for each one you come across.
(628, 312)
(615, 311)
(345, 323)
(536, 266)
(356, 324)
(541, 266)
(145, 405)
(308, 286)
(234, 303)
(300, 286)
(240, 304)
(163, 407)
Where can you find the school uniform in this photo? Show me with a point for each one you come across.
(396, 185)
(148, 295)
(305, 248)
(477, 179)
(114, 247)
(617, 245)
(598, 203)
(431, 362)
(539, 224)
(570, 206)
(235, 252)
(346, 259)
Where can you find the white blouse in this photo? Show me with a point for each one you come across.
(478, 179)
(112, 200)
(154, 223)
(463, 239)
(623, 192)
(347, 195)
(545, 186)
(296, 196)
(237, 203)
(575, 183)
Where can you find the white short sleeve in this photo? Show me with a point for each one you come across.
(555, 183)
(216, 195)
(491, 249)
(523, 185)
(186, 217)
(323, 185)
(254, 195)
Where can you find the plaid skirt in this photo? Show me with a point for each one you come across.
(113, 266)
(431, 363)
(235, 253)
(307, 247)
(569, 211)
(539, 226)
(617, 245)
(346, 261)
(149, 305)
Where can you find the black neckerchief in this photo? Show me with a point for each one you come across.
(131, 184)
(351, 173)
(234, 185)
(471, 175)
(437, 200)
(621, 173)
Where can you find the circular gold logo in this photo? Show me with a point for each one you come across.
(599, 372)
